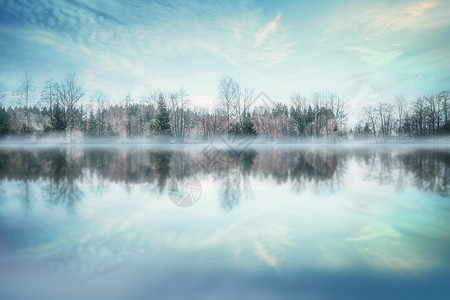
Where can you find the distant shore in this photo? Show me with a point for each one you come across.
(241, 141)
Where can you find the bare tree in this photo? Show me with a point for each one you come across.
(2, 91)
(184, 103)
(178, 105)
(338, 107)
(329, 112)
(419, 116)
(69, 93)
(244, 97)
(298, 102)
(247, 97)
(25, 93)
(48, 96)
(384, 111)
(400, 107)
(316, 101)
(227, 94)
(432, 113)
(372, 118)
(101, 102)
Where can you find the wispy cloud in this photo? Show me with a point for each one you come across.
(378, 21)
(410, 15)
(267, 30)
(395, 42)
(374, 57)
(413, 15)
(166, 44)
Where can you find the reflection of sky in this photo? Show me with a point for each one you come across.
(362, 227)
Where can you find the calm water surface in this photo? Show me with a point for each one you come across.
(282, 222)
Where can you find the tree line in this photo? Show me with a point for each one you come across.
(65, 109)
(426, 116)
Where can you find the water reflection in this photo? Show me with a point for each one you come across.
(272, 219)
(426, 169)
(61, 170)
(160, 162)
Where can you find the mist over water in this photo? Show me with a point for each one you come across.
(272, 221)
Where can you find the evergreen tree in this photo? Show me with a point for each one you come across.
(58, 122)
(161, 121)
(248, 128)
(309, 120)
(366, 131)
(4, 122)
(92, 124)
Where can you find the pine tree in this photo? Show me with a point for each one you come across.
(92, 124)
(58, 123)
(248, 128)
(4, 122)
(161, 121)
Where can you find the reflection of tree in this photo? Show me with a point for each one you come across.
(56, 167)
(322, 163)
(320, 168)
(160, 162)
(62, 189)
(230, 190)
(183, 164)
(232, 171)
(3, 172)
(379, 163)
(64, 193)
(26, 196)
(430, 169)
(427, 168)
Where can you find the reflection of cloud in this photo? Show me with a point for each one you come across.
(383, 259)
(383, 252)
(270, 243)
(375, 230)
(265, 256)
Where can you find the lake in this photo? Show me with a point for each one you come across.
(202, 222)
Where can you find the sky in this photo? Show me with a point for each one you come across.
(365, 51)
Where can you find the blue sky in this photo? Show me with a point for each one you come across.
(366, 51)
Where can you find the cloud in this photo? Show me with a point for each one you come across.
(141, 43)
(93, 11)
(267, 30)
(124, 46)
(368, 22)
(410, 15)
(391, 19)
(374, 57)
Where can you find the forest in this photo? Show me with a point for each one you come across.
(64, 109)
